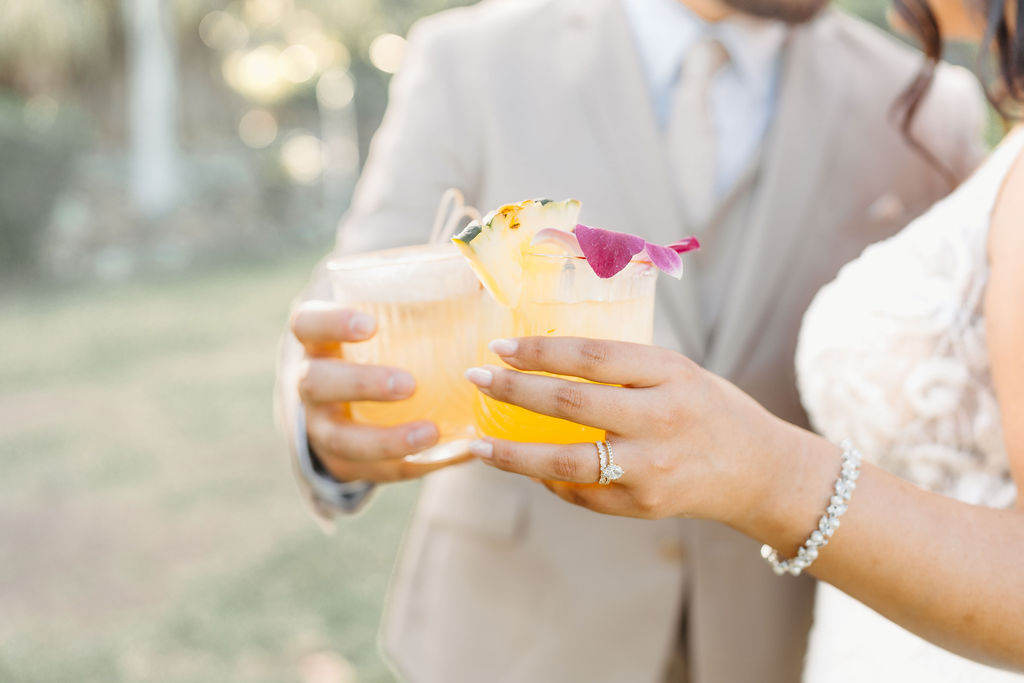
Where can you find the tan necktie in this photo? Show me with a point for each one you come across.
(691, 129)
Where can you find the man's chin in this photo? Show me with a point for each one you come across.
(788, 11)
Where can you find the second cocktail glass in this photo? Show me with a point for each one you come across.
(426, 300)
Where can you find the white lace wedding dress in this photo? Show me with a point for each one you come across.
(892, 354)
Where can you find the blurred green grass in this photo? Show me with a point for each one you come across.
(149, 525)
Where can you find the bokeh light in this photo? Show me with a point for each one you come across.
(330, 52)
(298, 63)
(335, 89)
(256, 73)
(302, 158)
(387, 51)
(266, 12)
(223, 31)
(326, 667)
(302, 27)
(258, 128)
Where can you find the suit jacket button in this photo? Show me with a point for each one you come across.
(672, 551)
(888, 207)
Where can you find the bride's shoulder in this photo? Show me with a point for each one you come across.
(1003, 294)
(1006, 230)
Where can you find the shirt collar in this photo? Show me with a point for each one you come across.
(754, 46)
(665, 30)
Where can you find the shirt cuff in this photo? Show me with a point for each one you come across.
(344, 496)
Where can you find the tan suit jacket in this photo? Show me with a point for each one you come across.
(500, 581)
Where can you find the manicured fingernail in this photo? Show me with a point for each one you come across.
(482, 449)
(401, 384)
(421, 436)
(361, 324)
(480, 377)
(503, 347)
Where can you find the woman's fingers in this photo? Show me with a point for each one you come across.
(562, 469)
(608, 362)
(577, 463)
(594, 405)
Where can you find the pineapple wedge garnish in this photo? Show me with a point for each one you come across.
(496, 245)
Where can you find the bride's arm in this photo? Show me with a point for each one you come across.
(1004, 315)
(953, 573)
(692, 444)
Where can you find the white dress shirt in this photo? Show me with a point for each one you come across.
(744, 95)
(744, 92)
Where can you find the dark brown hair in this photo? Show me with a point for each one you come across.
(1005, 91)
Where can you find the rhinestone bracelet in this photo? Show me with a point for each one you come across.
(829, 522)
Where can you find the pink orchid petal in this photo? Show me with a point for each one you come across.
(685, 245)
(607, 251)
(565, 240)
(667, 259)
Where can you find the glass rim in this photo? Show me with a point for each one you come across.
(634, 263)
(390, 258)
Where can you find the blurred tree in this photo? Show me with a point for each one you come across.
(152, 105)
(34, 143)
(46, 46)
(265, 107)
(872, 10)
(45, 43)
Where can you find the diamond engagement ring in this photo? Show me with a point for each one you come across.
(609, 470)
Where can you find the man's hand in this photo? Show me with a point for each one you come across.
(327, 383)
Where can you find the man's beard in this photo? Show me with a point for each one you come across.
(789, 11)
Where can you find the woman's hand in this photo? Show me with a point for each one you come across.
(689, 442)
(692, 444)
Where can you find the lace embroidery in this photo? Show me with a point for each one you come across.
(893, 352)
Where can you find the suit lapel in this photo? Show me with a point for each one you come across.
(798, 154)
(603, 62)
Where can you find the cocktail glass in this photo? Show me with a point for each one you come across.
(563, 297)
(426, 300)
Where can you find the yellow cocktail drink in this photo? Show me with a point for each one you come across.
(540, 268)
(563, 297)
(426, 300)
